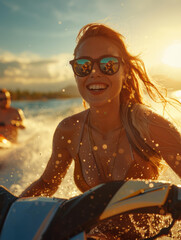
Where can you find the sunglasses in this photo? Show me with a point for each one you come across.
(108, 65)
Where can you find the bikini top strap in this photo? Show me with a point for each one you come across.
(131, 150)
(82, 131)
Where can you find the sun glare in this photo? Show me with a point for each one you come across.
(172, 55)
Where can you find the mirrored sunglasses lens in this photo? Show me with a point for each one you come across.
(82, 67)
(109, 65)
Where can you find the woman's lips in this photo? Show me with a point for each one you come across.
(97, 87)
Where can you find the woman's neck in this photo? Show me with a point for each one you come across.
(105, 118)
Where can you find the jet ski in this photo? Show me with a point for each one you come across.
(48, 218)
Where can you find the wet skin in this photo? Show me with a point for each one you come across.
(107, 132)
(10, 118)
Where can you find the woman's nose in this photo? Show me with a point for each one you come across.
(95, 70)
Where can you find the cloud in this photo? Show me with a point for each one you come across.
(28, 69)
(11, 5)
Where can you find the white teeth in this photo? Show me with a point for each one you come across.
(99, 86)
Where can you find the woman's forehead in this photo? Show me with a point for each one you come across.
(98, 46)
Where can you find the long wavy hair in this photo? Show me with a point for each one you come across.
(132, 93)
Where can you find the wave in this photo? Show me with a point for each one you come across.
(25, 162)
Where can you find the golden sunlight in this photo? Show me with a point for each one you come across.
(172, 55)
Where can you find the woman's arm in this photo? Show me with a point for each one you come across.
(39, 188)
(55, 171)
(166, 139)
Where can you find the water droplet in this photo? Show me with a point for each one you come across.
(114, 154)
(178, 157)
(104, 146)
(121, 151)
(95, 148)
(57, 162)
(171, 125)
(151, 185)
(162, 211)
(171, 157)
(147, 113)
(69, 141)
(59, 155)
(177, 163)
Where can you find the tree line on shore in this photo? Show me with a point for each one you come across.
(27, 95)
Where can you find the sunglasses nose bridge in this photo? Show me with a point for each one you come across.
(95, 66)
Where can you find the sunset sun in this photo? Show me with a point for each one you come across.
(172, 55)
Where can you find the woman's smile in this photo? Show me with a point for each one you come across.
(96, 88)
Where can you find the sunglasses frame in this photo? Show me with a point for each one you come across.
(96, 60)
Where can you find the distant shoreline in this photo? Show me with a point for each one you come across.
(26, 95)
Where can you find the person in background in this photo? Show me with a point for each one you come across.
(11, 119)
(119, 137)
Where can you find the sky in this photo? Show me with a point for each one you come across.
(37, 38)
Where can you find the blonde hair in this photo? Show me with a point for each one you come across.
(131, 95)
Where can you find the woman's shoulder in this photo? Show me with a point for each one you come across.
(68, 131)
(73, 120)
(154, 122)
(144, 112)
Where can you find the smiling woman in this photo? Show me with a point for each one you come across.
(172, 55)
(118, 137)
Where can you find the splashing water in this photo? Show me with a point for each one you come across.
(26, 161)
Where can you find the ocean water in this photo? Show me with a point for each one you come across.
(25, 162)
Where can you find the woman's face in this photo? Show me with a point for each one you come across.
(98, 88)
